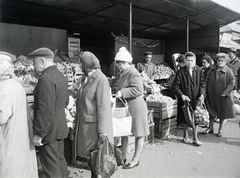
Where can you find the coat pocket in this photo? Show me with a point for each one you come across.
(90, 118)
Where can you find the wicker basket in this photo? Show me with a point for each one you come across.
(120, 112)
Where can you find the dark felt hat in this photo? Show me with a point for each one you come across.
(41, 52)
(234, 50)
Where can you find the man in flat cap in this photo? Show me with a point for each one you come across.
(234, 64)
(50, 126)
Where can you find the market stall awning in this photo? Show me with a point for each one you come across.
(151, 18)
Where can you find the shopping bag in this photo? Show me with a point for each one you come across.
(200, 114)
(122, 120)
(188, 114)
(106, 163)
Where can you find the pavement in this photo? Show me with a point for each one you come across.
(218, 157)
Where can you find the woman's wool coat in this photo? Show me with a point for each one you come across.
(223, 83)
(191, 86)
(130, 83)
(94, 114)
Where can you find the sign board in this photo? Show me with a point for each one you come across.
(74, 45)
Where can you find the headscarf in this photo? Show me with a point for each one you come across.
(89, 62)
(6, 66)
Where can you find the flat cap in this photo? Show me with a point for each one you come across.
(41, 52)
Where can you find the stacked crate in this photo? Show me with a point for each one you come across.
(164, 117)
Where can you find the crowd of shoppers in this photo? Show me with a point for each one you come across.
(20, 136)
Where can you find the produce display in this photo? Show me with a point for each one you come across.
(163, 71)
(201, 115)
(158, 98)
(70, 112)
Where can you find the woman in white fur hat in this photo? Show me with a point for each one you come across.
(129, 85)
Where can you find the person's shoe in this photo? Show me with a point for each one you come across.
(186, 140)
(207, 131)
(129, 166)
(197, 142)
(219, 134)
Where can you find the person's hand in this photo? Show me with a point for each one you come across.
(37, 141)
(223, 95)
(119, 94)
(185, 98)
(201, 98)
(102, 134)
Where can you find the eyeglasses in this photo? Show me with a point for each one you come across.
(119, 62)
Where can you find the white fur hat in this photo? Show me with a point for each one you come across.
(123, 55)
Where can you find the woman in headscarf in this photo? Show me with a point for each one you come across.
(129, 85)
(93, 107)
(17, 153)
(206, 64)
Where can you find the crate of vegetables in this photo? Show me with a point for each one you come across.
(164, 114)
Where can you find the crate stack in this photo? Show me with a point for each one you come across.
(164, 117)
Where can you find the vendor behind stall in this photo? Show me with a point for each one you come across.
(147, 69)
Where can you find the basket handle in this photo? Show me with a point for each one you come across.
(124, 101)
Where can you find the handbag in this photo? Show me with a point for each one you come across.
(188, 114)
(122, 120)
(105, 161)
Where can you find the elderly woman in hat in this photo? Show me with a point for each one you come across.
(220, 85)
(129, 85)
(17, 153)
(93, 106)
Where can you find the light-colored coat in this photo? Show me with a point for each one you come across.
(216, 104)
(131, 85)
(94, 114)
(17, 153)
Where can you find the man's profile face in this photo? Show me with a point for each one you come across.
(148, 58)
(38, 65)
(190, 61)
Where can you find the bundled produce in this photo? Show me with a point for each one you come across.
(70, 112)
(158, 98)
(201, 115)
(163, 71)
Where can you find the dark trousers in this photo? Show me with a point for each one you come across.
(52, 159)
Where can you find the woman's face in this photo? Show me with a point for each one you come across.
(221, 62)
(121, 65)
(190, 61)
(205, 64)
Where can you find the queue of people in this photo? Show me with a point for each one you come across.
(20, 136)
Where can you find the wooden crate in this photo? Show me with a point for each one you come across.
(164, 117)
(165, 127)
(163, 110)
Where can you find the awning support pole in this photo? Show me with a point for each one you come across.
(130, 28)
(218, 45)
(187, 33)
